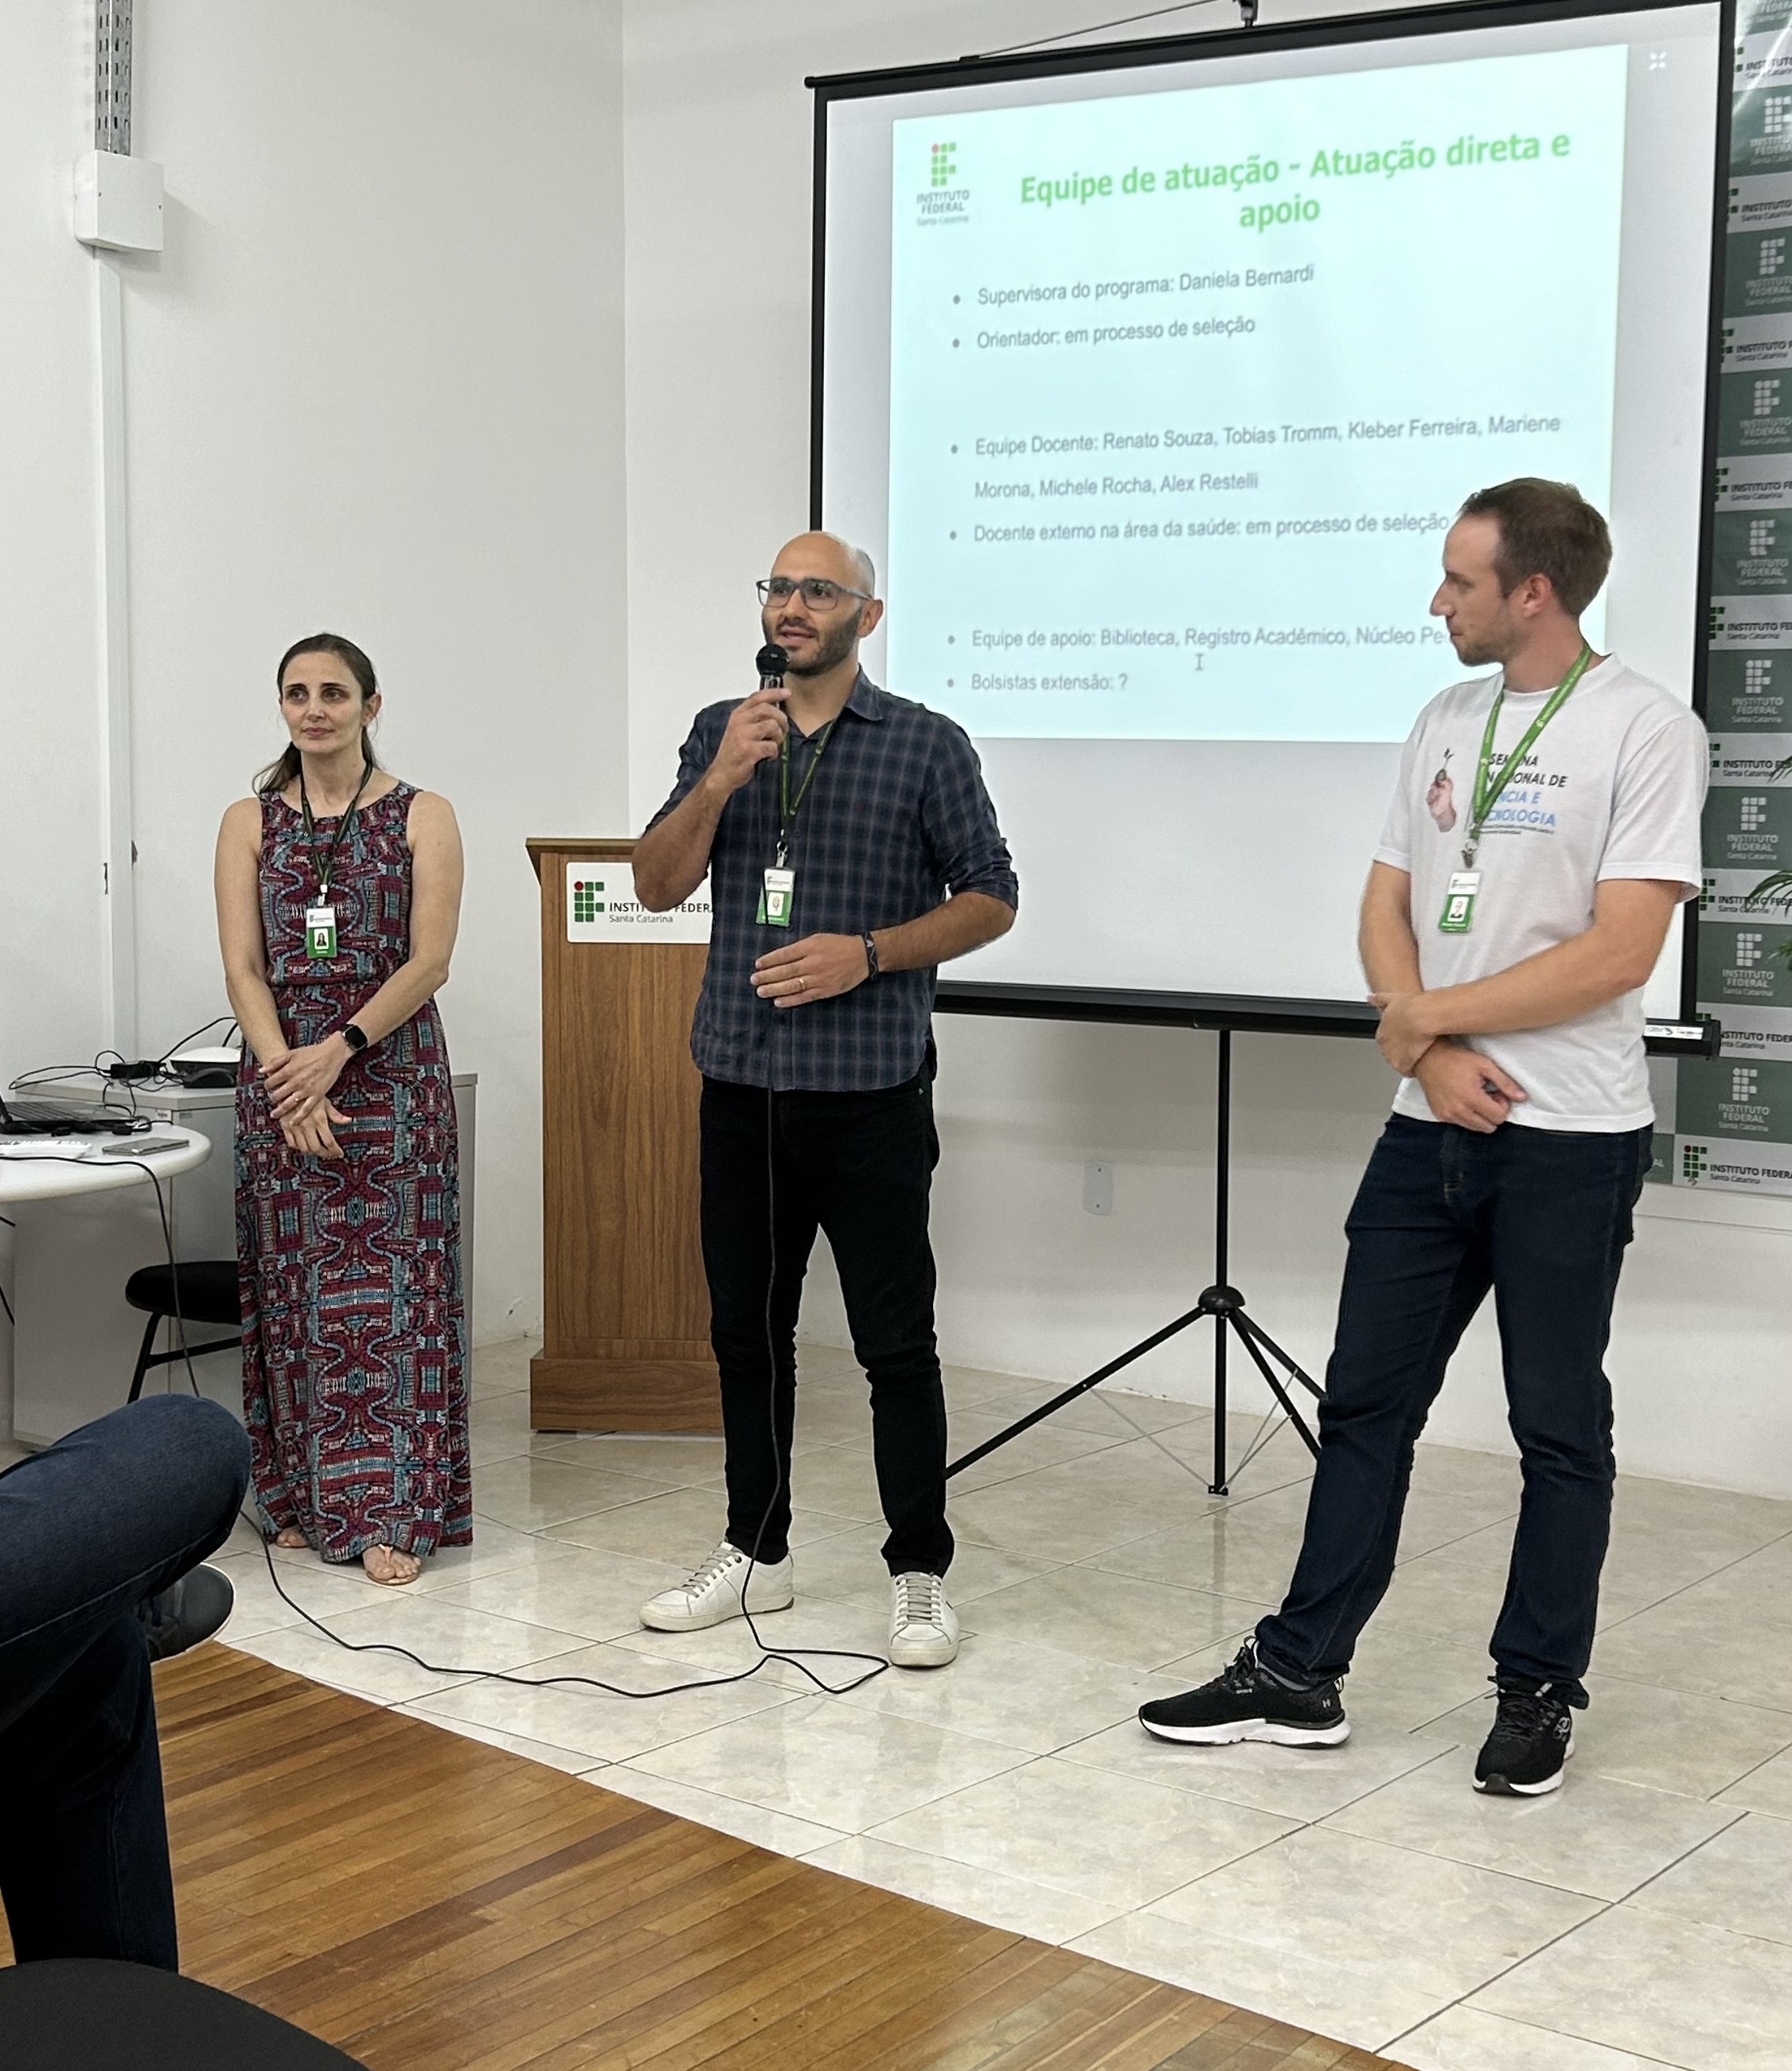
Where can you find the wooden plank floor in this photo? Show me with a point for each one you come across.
(428, 1903)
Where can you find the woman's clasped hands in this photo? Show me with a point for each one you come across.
(298, 1083)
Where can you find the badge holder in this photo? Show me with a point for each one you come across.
(1457, 917)
(777, 898)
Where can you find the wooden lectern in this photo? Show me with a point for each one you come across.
(627, 1324)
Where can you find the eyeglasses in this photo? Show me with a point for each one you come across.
(818, 593)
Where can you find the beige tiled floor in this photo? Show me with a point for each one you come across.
(1641, 1917)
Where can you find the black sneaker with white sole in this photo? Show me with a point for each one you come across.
(1533, 1735)
(1247, 1703)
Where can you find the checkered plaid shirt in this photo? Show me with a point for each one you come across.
(897, 818)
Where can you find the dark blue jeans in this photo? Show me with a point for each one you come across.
(114, 1513)
(859, 1167)
(1542, 1217)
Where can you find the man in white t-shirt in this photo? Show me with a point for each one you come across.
(1544, 829)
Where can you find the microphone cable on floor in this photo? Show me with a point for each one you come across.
(521, 1682)
(798, 1657)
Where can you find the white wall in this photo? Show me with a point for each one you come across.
(719, 137)
(49, 689)
(373, 384)
(51, 916)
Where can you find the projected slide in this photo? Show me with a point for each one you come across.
(1154, 388)
(1185, 386)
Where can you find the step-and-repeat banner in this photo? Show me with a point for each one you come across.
(1730, 1122)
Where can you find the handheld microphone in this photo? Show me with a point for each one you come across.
(771, 660)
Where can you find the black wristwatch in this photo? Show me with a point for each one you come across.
(356, 1038)
(872, 965)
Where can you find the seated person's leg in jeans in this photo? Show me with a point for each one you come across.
(113, 1514)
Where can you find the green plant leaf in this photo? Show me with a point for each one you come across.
(1776, 890)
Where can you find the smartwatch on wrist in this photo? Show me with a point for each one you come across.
(356, 1038)
(871, 955)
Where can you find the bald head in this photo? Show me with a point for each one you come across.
(845, 562)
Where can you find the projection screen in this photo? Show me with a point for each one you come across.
(1152, 376)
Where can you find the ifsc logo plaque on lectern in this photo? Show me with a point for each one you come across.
(601, 906)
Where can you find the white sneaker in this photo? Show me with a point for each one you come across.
(711, 1594)
(923, 1627)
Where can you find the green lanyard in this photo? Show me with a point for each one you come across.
(329, 862)
(1488, 787)
(788, 807)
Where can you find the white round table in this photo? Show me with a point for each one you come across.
(97, 1172)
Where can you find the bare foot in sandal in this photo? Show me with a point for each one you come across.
(291, 1538)
(386, 1564)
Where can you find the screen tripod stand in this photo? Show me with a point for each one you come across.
(1222, 1302)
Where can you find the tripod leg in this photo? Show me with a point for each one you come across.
(1296, 1371)
(1247, 1336)
(1077, 1387)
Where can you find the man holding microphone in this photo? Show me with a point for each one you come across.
(1544, 828)
(851, 848)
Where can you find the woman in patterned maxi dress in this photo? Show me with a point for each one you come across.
(347, 1206)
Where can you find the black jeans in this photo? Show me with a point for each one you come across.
(1542, 1217)
(114, 1513)
(859, 1167)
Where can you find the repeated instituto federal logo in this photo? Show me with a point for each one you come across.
(1747, 695)
(1758, 276)
(1767, 397)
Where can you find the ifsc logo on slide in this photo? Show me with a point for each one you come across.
(944, 200)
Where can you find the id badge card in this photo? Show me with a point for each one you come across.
(320, 932)
(1458, 916)
(777, 899)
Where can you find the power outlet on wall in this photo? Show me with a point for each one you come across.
(1098, 1189)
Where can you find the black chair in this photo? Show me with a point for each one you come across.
(77, 2013)
(207, 1294)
